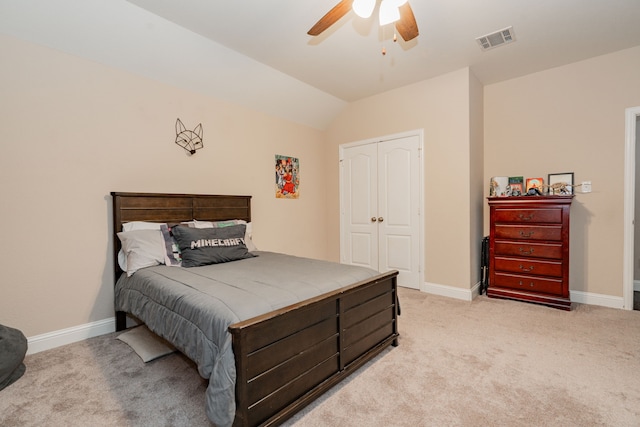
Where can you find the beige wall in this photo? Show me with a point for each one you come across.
(440, 106)
(636, 219)
(476, 172)
(74, 130)
(571, 119)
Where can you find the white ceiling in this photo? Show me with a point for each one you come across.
(257, 53)
(346, 60)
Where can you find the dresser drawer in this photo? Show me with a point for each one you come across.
(549, 215)
(528, 266)
(529, 249)
(529, 284)
(528, 232)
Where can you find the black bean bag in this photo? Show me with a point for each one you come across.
(13, 347)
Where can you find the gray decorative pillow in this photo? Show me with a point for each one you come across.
(172, 251)
(204, 246)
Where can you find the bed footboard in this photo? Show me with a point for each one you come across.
(287, 358)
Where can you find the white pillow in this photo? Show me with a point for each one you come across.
(214, 224)
(248, 238)
(131, 226)
(142, 248)
(141, 225)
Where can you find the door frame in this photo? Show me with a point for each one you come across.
(631, 117)
(420, 134)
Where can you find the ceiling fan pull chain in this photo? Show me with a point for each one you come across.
(384, 50)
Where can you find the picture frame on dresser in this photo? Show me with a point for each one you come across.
(560, 178)
(534, 186)
(516, 185)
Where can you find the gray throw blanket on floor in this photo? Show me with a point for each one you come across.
(13, 347)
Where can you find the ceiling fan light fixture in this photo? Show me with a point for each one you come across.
(397, 11)
(364, 8)
(389, 12)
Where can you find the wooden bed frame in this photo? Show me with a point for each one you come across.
(286, 358)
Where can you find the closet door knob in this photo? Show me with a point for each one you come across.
(380, 219)
(373, 219)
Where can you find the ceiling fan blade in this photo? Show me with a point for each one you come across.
(331, 17)
(406, 25)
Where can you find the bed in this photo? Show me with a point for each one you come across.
(281, 359)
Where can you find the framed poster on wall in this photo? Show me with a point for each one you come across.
(287, 177)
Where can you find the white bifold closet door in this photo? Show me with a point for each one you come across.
(380, 190)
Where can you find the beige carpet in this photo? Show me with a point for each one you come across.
(486, 362)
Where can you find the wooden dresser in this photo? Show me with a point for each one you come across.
(529, 249)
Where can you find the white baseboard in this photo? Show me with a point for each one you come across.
(55, 339)
(470, 294)
(451, 291)
(597, 299)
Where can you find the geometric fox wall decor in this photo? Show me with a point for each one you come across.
(190, 140)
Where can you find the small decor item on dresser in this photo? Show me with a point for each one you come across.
(534, 186)
(560, 184)
(190, 140)
(516, 186)
(498, 186)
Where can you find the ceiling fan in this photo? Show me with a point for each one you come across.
(397, 11)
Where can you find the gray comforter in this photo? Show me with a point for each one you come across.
(193, 307)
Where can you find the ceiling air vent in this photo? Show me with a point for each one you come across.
(496, 39)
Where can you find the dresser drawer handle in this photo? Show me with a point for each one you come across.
(523, 268)
(530, 284)
(525, 234)
(525, 218)
(523, 252)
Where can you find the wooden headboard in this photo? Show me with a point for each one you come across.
(173, 209)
